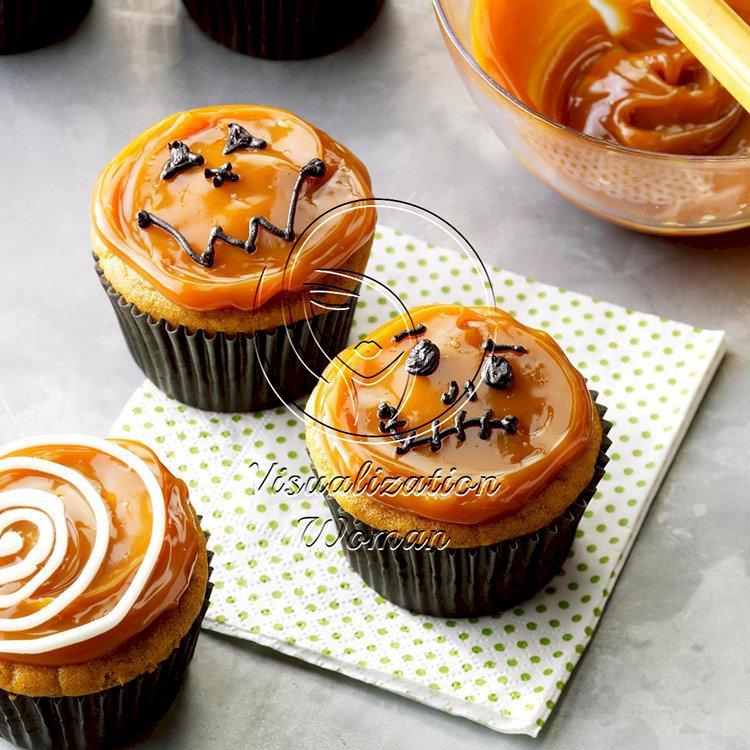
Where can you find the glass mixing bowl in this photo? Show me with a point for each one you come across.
(659, 193)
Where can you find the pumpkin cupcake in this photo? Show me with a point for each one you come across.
(104, 586)
(196, 230)
(470, 447)
(284, 29)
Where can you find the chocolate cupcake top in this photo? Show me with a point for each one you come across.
(97, 539)
(205, 205)
(463, 389)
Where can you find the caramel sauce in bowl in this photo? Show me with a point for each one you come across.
(626, 126)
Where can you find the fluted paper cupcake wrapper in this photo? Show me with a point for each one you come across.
(104, 719)
(468, 581)
(220, 372)
(284, 29)
(28, 24)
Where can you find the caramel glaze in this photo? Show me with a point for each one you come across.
(130, 515)
(194, 206)
(548, 396)
(639, 87)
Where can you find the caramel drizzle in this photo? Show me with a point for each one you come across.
(404, 443)
(315, 168)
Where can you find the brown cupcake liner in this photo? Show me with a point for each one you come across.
(284, 29)
(104, 719)
(29, 24)
(471, 581)
(220, 372)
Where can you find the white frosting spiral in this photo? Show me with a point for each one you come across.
(46, 512)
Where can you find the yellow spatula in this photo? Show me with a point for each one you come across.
(716, 35)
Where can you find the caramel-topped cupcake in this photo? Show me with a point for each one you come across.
(103, 589)
(195, 226)
(467, 434)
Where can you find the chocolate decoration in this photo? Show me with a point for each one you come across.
(221, 175)
(239, 138)
(486, 424)
(180, 158)
(145, 220)
(313, 169)
(497, 372)
(451, 394)
(389, 425)
(386, 411)
(491, 346)
(409, 333)
(459, 422)
(423, 359)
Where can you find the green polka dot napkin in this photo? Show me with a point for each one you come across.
(298, 595)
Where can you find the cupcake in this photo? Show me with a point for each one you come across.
(26, 25)
(458, 452)
(285, 29)
(197, 233)
(104, 586)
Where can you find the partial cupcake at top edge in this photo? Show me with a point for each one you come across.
(284, 29)
(27, 25)
(194, 228)
(104, 587)
(471, 394)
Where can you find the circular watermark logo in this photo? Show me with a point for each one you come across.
(336, 293)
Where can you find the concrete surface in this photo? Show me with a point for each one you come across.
(669, 665)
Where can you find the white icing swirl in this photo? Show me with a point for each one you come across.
(45, 510)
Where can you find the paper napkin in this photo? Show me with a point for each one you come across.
(299, 596)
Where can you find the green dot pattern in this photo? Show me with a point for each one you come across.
(505, 671)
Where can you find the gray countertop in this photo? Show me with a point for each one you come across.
(669, 665)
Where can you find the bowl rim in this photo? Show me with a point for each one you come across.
(447, 26)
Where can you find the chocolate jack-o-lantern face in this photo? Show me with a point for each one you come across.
(426, 377)
(466, 387)
(207, 203)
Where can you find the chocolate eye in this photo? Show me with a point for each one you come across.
(497, 373)
(240, 138)
(180, 157)
(410, 333)
(423, 359)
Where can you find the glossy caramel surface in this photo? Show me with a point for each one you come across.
(189, 201)
(625, 80)
(548, 396)
(130, 513)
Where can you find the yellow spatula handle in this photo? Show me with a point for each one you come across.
(716, 35)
